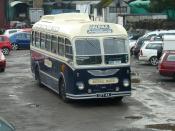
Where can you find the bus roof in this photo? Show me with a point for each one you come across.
(77, 24)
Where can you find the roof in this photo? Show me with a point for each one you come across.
(77, 24)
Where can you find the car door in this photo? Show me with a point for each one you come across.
(151, 49)
(23, 40)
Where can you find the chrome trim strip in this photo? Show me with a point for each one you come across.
(103, 72)
(91, 96)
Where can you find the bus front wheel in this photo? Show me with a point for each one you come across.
(37, 76)
(62, 91)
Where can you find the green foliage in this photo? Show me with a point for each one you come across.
(104, 3)
(161, 5)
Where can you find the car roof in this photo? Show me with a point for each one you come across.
(157, 32)
(21, 32)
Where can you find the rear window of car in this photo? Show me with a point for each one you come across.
(153, 45)
(171, 57)
(12, 31)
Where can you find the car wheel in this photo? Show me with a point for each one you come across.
(62, 91)
(14, 46)
(5, 51)
(153, 61)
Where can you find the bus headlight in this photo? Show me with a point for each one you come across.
(80, 85)
(126, 83)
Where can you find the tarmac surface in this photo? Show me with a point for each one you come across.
(31, 108)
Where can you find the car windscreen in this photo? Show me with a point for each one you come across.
(88, 51)
(115, 51)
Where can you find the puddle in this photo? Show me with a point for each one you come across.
(170, 127)
(134, 117)
(33, 105)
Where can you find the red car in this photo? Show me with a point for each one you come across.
(2, 62)
(166, 65)
(5, 44)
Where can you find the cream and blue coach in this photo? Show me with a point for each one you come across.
(79, 58)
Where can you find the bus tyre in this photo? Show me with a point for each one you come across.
(62, 91)
(37, 76)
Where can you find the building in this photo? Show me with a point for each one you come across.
(3, 19)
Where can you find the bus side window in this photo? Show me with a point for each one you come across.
(61, 46)
(43, 38)
(54, 47)
(68, 49)
(37, 40)
(33, 38)
(48, 43)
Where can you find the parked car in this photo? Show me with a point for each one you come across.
(20, 40)
(8, 32)
(158, 33)
(136, 49)
(2, 62)
(150, 36)
(166, 64)
(148, 52)
(5, 44)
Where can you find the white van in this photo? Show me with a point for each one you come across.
(168, 42)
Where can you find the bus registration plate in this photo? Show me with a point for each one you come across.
(102, 81)
(102, 95)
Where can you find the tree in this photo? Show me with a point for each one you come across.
(104, 3)
(161, 5)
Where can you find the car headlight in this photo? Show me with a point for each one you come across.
(80, 85)
(126, 83)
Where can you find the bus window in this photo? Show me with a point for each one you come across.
(48, 43)
(115, 51)
(54, 45)
(88, 52)
(68, 49)
(37, 40)
(43, 38)
(61, 46)
(33, 38)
